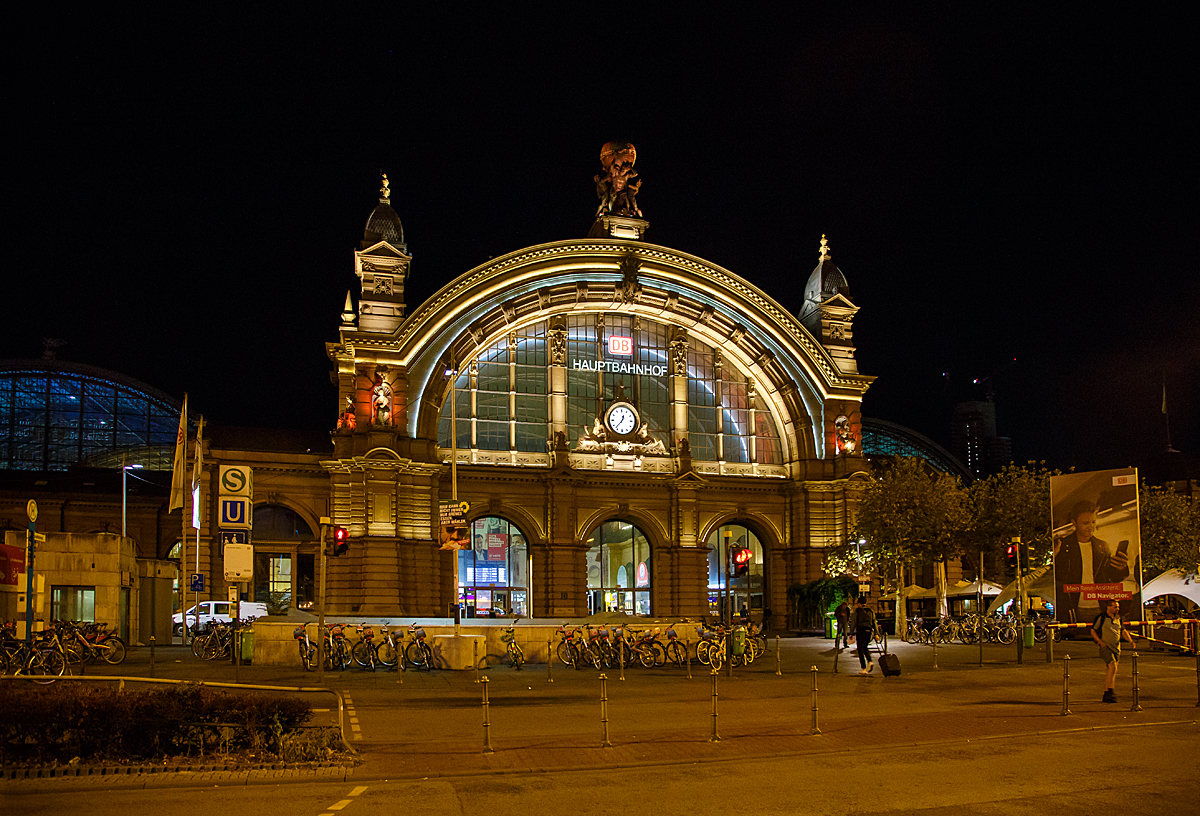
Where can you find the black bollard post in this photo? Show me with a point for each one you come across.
(687, 654)
(1137, 705)
(549, 661)
(604, 741)
(815, 730)
(715, 736)
(152, 655)
(1066, 709)
(778, 666)
(487, 723)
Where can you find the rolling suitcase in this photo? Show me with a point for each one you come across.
(889, 664)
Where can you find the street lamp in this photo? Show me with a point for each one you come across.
(124, 474)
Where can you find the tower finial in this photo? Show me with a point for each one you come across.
(824, 256)
(385, 194)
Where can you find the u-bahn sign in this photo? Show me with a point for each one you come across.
(235, 512)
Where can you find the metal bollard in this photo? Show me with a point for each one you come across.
(604, 742)
(933, 640)
(475, 658)
(152, 655)
(621, 660)
(687, 653)
(1066, 709)
(1137, 706)
(550, 660)
(487, 723)
(1198, 678)
(715, 736)
(778, 668)
(815, 730)
(1050, 631)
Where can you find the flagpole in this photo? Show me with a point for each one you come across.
(1166, 416)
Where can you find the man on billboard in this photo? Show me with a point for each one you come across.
(1096, 544)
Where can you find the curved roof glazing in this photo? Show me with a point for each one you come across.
(54, 415)
(883, 438)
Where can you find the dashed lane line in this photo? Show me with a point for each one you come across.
(339, 805)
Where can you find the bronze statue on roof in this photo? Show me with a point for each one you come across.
(615, 186)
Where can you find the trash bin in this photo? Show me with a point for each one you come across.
(830, 626)
(739, 640)
(246, 644)
(1027, 635)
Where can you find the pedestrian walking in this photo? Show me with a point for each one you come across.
(1107, 632)
(864, 631)
(842, 616)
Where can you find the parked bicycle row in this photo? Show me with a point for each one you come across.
(612, 647)
(63, 644)
(390, 652)
(971, 629)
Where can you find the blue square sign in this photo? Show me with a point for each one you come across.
(197, 584)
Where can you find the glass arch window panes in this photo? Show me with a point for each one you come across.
(735, 597)
(493, 576)
(501, 398)
(618, 570)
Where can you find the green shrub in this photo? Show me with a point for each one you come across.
(65, 721)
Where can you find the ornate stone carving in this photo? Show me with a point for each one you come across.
(615, 185)
(383, 285)
(347, 419)
(630, 289)
(381, 401)
(679, 348)
(558, 341)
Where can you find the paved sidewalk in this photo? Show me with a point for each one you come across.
(419, 724)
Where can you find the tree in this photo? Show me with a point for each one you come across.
(1014, 502)
(1170, 528)
(911, 514)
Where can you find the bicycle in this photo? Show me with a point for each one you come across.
(676, 651)
(516, 657)
(417, 651)
(44, 658)
(364, 651)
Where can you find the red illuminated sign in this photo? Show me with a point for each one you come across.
(620, 345)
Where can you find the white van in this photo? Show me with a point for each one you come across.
(218, 612)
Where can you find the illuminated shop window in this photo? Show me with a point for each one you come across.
(729, 595)
(73, 603)
(618, 569)
(493, 576)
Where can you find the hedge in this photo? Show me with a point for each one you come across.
(70, 722)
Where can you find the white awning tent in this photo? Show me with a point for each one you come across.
(1173, 582)
(1038, 582)
(960, 589)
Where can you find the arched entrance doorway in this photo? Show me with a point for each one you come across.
(729, 596)
(618, 569)
(493, 576)
(284, 559)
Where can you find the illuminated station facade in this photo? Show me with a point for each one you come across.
(617, 415)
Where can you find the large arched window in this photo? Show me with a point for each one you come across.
(283, 574)
(729, 596)
(493, 576)
(618, 569)
(502, 403)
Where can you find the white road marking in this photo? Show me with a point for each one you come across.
(339, 805)
(358, 790)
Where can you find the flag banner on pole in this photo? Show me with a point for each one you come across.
(178, 477)
(1164, 408)
(197, 470)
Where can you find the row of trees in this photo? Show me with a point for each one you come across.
(910, 515)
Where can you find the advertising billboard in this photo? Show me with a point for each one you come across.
(1097, 545)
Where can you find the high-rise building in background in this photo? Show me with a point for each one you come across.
(973, 437)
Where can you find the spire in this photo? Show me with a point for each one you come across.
(824, 254)
(348, 309)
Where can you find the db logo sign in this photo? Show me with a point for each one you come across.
(620, 345)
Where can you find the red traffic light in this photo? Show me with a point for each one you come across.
(742, 557)
(1011, 555)
(337, 541)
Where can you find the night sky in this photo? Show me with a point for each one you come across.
(1011, 193)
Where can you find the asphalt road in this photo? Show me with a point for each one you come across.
(1151, 770)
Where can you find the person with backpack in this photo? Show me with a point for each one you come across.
(864, 626)
(1107, 632)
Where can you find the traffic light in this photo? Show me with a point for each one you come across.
(741, 557)
(337, 541)
(1010, 555)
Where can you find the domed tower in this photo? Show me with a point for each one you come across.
(827, 311)
(381, 263)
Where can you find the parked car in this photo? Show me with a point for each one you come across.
(217, 612)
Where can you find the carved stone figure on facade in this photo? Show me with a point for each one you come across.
(630, 289)
(348, 419)
(615, 186)
(381, 401)
(844, 433)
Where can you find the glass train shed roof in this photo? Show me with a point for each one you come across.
(55, 414)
